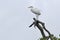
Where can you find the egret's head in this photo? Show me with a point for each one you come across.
(30, 7)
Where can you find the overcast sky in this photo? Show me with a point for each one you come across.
(15, 18)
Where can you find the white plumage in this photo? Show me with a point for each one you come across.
(35, 11)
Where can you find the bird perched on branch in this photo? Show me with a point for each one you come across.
(35, 11)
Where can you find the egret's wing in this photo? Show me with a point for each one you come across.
(35, 11)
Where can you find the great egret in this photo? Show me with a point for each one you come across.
(35, 11)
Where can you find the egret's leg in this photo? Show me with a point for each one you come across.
(37, 17)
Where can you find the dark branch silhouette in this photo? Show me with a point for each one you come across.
(36, 23)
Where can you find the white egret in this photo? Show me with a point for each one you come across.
(35, 11)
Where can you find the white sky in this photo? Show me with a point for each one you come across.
(15, 18)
